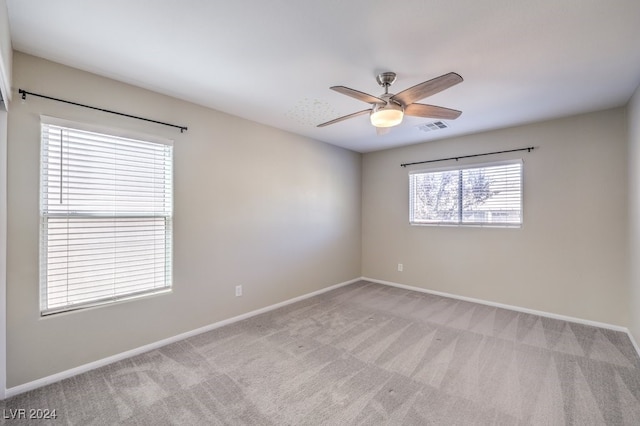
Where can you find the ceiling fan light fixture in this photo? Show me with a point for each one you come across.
(388, 115)
(388, 110)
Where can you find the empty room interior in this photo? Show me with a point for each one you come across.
(363, 212)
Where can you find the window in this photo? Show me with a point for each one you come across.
(106, 217)
(488, 194)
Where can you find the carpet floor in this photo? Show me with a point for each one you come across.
(365, 354)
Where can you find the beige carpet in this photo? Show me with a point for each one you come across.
(366, 354)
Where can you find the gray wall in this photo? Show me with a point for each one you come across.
(633, 117)
(3, 250)
(569, 257)
(272, 211)
(6, 53)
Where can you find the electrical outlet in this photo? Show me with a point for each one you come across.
(400, 267)
(238, 290)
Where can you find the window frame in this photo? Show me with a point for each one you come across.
(460, 222)
(44, 216)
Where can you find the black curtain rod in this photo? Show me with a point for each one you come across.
(25, 93)
(528, 149)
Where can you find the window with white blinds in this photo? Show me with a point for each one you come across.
(488, 194)
(106, 218)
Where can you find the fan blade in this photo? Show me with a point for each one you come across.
(431, 111)
(355, 114)
(361, 96)
(427, 88)
(382, 130)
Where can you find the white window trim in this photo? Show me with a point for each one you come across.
(468, 167)
(47, 120)
(111, 131)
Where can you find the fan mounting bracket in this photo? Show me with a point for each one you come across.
(386, 79)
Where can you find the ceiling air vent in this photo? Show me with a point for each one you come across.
(436, 125)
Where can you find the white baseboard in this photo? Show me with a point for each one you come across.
(512, 308)
(16, 390)
(633, 342)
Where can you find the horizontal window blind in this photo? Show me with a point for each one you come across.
(106, 217)
(475, 195)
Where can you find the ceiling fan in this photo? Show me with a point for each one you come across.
(388, 109)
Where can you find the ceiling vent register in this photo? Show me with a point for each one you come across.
(435, 125)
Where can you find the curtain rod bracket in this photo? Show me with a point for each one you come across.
(24, 94)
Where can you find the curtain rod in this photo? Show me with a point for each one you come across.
(528, 149)
(25, 93)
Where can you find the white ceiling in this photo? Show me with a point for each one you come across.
(273, 61)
